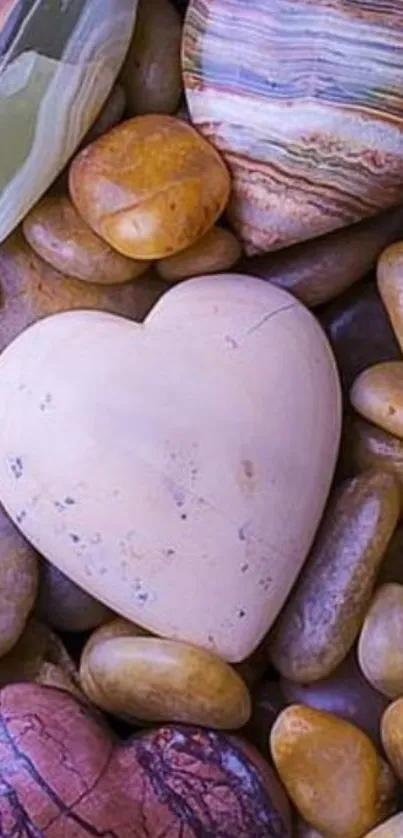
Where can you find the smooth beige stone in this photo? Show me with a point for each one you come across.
(64, 606)
(217, 250)
(390, 286)
(392, 736)
(18, 582)
(158, 680)
(324, 613)
(151, 75)
(58, 234)
(331, 772)
(392, 828)
(380, 647)
(146, 434)
(377, 394)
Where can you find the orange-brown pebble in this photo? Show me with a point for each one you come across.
(150, 187)
(392, 828)
(380, 647)
(218, 250)
(57, 233)
(154, 679)
(377, 394)
(331, 771)
(392, 736)
(390, 285)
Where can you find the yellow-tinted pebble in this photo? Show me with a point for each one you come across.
(392, 736)
(380, 647)
(390, 286)
(154, 680)
(217, 251)
(377, 394)
(331, 771)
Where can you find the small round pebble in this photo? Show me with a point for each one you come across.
(18, 579)
(153, 679)
(392, 828)
(64, 605)
(218, 250)
(331, 772)
(377, 394)
(346, 694)
(324, 613)
(392, 736)
(151, 74)
(58, 234)
(380, 647)
(150, 187)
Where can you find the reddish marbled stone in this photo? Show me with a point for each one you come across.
(61, 774)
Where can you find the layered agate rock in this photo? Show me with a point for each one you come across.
(58, 61)
(305, 100)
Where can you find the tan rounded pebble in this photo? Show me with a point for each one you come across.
(151, 75)
(392, 736)
(325, 610)
(116, 627)
(18, 582)
(64, 606)
(218, 250)
(162, 680)
(392, 828)
(377, 394)
(331, 771)
(58, 234)
(380, 647)
(40, 656)
(390, 285)
(344, 693)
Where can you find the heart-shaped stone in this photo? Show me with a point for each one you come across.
(61, 774)
(304, 100)
(176, 470)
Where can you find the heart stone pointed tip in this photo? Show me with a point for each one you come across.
(176, 470)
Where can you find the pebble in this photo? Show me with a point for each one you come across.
(318, 270)
(348, 321)
(151, 74)
(377, 395)
(392, 828)
(110, 115)
(331, 772)
(346, 694)
(380, 647)
(390, 285)
(40, 656)
(159, 680)
(65, 606)
(18, 583)
(392, 736)
(150, 187)
(176, 781)
(367, 447)
(30, 290)
(218, 250)
(58, 234)
(324, 613)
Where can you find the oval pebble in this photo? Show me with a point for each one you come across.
(346, 694)
(324, 613)
(58, 234)
(380, 647)
(155, 680)
(151, 75)
(377, 394)
(64, 606)
(218, 250)
(149, 187)
(390, 285)
(366, 446)
(331, 771)
(18, 581)
(392, 736)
